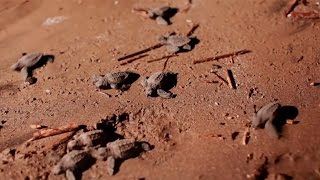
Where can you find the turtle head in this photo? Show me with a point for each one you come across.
(149, 91)
(163, 39)
(16, 67)
(57, 169)
(99, 81)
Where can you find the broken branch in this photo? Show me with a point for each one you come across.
(291, 6)
(134, 59)
(193, 29)
(246, 136)
(54, 131)
(140, 52)
(230, 78)
(245, 51)
(159, 59)
(221, 78)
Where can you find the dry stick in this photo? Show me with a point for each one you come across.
(245, 51)
(246, 136)
(221, 78)
(165, 63)
(305, 15)
(159, 59)
(292, 5)
(140, 52)
(52, 132)
(230, 78)
(134, 59)
(63, 140)
(193, 29)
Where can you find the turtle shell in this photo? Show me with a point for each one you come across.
(155, 80)
(117, 78)
(178, 40)
(27, 60)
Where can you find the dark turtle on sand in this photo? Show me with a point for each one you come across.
(28, 62)
(71, 162)
(112, 80)
(266, 117)
(120, 149)
(175, 43)
(156, 84)
(161, 14)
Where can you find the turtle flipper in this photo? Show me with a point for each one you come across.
(160, 20)
(111, 162)
(272, 129)
(187, 47)
(172, 49)
(70, 175)
(165, 94)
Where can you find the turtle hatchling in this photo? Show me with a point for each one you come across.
(71, 162)
(175, 43)
(157, 84)
(266, 117)
(27, 63)
(159, 14)
(115, 80)
(120, 149)
(86, 139)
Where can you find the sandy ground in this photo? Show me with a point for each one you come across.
(192, 133)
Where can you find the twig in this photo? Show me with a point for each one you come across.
(134, 59)
(104, 93)
(246, 136)
(305, 15)
(63, 140)
(221, 78)
(159, 59)
(52, 132)
(230, 78)
(245, 51)
(291, 6)
(140, 52)
(165, 63)
(193, 29)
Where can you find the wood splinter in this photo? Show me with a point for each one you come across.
(246, 136)
(230, 78)
(291, 6)
(140, 52)
(54, 131)
(134, 59)
(245, 51)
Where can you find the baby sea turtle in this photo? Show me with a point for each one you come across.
(161, 15)
(266, 116)
(26, 63)
(119, 149)
(86, 139)
(156, 83)
(115, 80)
(71, 162)
(175, 43)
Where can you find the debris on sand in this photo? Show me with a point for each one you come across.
(230, 78)
(246, 136)
(216, 58)
(54, 131)
(54, 20)
(7, 155)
